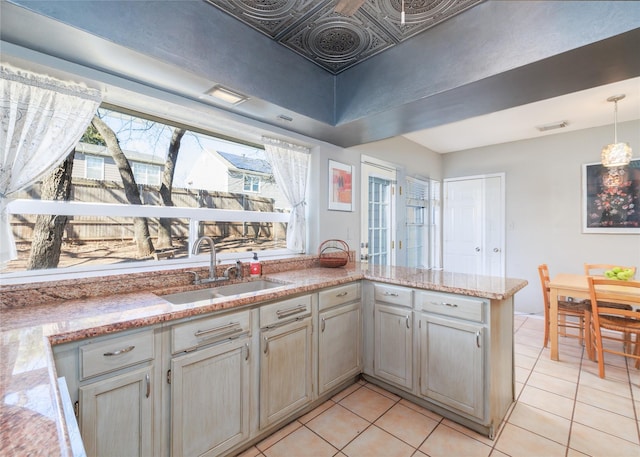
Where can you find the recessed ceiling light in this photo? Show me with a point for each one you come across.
(552, 126)
(226, 95)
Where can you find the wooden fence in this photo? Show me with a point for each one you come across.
(84, 228)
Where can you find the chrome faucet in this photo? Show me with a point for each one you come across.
(212, 262)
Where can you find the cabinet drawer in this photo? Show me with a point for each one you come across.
(393, 294)
(285, 311)
(339, 295)
(116, 353)
(467, 308)
(190, 335)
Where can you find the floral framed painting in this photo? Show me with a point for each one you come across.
(340, 186)
(610, 200)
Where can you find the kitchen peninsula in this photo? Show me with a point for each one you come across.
(39, 318)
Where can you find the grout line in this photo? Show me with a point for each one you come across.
(575, 401)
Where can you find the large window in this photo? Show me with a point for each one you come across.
(162, 227)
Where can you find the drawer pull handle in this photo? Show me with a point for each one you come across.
(342, 294)
(282, 313)
(450, 305)
(390, 294)
(231, 327)
(119, 351)
(322, 326)
(148, 381)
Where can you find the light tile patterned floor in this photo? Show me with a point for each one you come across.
(563, 409)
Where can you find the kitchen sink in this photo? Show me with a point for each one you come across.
(205, 295)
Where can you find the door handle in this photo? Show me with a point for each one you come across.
(496, 250)
(477, 249)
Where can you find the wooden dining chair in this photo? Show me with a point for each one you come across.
(577, 311)
(598, 269)
(617, 323)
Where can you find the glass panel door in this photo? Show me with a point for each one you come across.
(379, 221)
(417, 223)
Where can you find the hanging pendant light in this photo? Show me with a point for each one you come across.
(616, 154)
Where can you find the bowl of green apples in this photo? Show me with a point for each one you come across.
(622, 274)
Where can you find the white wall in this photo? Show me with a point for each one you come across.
(543, 207)
(408, 156)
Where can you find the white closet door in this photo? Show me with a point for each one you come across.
(474, 225)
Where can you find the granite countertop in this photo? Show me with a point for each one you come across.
(31, 415)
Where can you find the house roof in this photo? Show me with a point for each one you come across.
(247, 163)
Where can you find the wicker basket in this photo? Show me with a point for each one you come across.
(333, 253)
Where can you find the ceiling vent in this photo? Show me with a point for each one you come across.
(552, 126)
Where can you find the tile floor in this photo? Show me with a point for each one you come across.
(562, 409)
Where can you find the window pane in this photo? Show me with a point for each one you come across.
(94, 167)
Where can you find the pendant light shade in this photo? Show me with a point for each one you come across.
(616, 154)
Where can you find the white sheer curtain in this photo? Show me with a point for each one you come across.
(42, 120)
(290, 164)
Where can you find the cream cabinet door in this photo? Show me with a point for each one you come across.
(116, 415)
(286, 370)
(452, 363)
(339, 345)
(210, 390)
(393, 345)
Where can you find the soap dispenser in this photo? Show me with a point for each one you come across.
(255, 267)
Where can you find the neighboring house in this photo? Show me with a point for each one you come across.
(212, 171)
(248, 175)
(95, 162)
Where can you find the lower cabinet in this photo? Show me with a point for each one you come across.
(113, 381)
(340, 336)
(117, 415)
(393, 335)
(210, 391)
(460, 360)
(452, 364)
(286, 359)
(210, 384)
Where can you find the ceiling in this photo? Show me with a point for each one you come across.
(489, 74)
(338, 34)
(579, 110)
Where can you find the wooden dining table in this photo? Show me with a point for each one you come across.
(576, 286)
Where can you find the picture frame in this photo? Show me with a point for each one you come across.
(340, 186)
(611, 207)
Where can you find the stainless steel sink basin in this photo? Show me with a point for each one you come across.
(206, 295)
